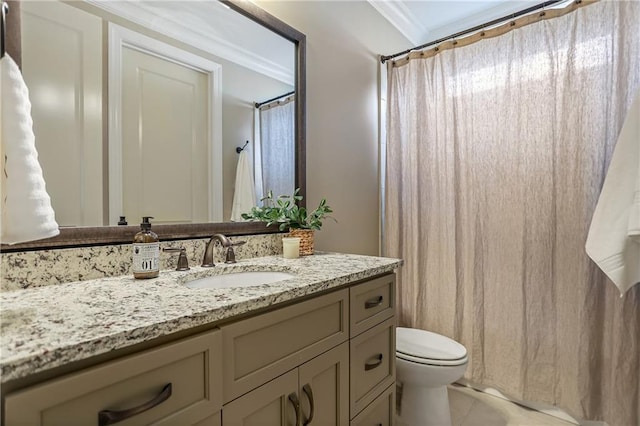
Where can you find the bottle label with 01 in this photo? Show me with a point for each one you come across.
(146, 257)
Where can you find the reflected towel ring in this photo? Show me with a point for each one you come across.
(3, 29)
(239, 149)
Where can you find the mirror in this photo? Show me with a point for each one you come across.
(243, 84)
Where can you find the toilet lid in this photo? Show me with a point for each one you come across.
(421, 344)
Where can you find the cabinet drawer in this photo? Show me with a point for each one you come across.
(178, 383)
(380, 412)
(372, 366)
(215, 420)
(258, 349)
(371, 303)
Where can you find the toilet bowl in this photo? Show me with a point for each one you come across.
(426, 363)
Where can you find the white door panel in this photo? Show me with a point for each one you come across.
(62, 66)
(165, 114)
(164, 124)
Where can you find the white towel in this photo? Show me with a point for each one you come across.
(244, 197)
(26, 207)
(634, 214)
(614, 237)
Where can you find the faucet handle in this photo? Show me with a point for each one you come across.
(230, 256)
(183, 262)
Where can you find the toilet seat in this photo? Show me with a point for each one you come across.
(425, 347)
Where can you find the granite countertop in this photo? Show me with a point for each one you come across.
(46, 327)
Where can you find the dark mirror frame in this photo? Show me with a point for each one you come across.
(106, 235)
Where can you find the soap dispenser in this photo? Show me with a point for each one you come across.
(146, 251)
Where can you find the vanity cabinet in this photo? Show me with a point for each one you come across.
(174, 384)
(327, 360)
(333, 356)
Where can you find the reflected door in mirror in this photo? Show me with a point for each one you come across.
(164, 133)
(165, 144)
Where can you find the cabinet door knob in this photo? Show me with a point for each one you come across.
(373, 362)
(373, 302)
(307, 390)
(108, 417)
(293, 398)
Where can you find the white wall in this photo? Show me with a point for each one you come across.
(343, 41)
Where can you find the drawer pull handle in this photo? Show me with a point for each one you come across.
(293, 398)
(373, 362)
(108, 417)
(307, 390)
(373, 302)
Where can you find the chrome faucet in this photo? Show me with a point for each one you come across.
(230, 256)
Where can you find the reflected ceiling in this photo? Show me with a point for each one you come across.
(212, 27)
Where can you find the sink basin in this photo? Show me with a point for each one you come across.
(240, 279)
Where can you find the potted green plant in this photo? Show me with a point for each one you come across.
(285, 212)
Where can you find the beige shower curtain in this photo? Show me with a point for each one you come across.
(496, 154)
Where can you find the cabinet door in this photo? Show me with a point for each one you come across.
(275, 403)
(324, 388)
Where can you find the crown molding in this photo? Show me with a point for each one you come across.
(399, 15)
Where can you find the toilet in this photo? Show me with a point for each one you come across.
(426, 363)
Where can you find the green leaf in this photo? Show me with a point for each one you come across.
(287, 214)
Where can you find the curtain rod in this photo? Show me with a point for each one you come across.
(542, 5)
(259, 104)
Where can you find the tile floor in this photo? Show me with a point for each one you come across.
(472, 408)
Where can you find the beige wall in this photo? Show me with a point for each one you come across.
(343, 41)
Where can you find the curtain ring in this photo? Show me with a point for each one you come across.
(436, 48)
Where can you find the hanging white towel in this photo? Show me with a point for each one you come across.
(26, 207)
(244, 197)
(614, 236)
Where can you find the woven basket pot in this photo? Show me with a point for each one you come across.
(306, 240)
